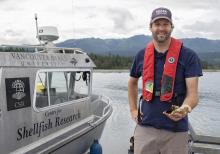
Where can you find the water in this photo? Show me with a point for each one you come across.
(119, 127)
(206, 117)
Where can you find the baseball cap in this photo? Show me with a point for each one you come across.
(161, 13)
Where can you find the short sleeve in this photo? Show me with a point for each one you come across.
(137, 66)
(193, 67)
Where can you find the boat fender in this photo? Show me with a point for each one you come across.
(96, 148)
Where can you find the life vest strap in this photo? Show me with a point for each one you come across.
(158, 93)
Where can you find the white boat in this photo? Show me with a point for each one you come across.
(47, 104)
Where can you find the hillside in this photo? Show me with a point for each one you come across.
(130, 46)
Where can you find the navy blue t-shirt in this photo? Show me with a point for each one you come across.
(188, 66)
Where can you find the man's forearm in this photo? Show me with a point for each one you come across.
(192, 97)
(132, 95)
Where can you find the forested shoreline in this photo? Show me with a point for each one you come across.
(111, 61)
(120, 62)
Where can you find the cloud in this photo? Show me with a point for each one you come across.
(204, 29)
(122, 19)
(14, 37)
(3, 1)
(185, 4)
(11, 33)
(105, 19)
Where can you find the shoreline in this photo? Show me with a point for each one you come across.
(127, 70)
(111, 70)
(211, 70)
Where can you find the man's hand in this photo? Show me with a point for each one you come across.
(177, 113)
(134, 115)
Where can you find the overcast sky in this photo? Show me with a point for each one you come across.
(104, 18)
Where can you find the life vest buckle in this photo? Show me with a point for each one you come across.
(157, 93)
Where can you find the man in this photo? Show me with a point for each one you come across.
(170, 74)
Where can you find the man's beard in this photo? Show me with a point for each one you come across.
(161, 38)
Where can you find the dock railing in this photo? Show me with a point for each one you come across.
(203, 144)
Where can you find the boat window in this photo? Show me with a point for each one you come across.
(59, 87)
(41, 97)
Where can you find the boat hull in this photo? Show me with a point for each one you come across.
(81, 143)
(76, 138)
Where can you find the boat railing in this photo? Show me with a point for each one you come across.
(44, 49)
(203, 144)
(105, 110)
(107, 101)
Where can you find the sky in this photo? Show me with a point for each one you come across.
(104, 18)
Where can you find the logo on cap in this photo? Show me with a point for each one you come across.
(161, 12)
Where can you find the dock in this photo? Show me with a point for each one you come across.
(203, 144)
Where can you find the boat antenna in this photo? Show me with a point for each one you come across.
(73, 16)
(37, 28)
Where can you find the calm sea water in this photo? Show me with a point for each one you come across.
(119, 127)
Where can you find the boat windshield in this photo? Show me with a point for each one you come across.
(56, 87)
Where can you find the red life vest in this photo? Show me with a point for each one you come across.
(169, 72)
